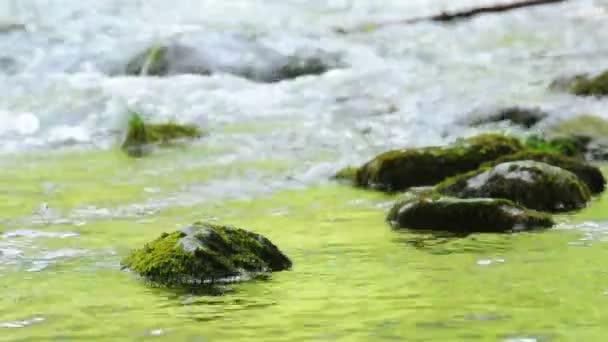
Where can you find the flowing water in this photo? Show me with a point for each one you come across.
(71, 205)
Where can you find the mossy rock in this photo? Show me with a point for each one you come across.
(140, 135)
(589, 174)
(205, 253)
(401, 169)
(464, 216)
(525, 117)
(595, 86)
(532, 184)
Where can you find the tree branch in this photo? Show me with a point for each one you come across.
(458, 15)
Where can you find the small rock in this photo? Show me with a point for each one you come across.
(525, 117)
(589, 174)
(532, 184)
(206, 253)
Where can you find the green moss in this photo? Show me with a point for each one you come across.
(165, 133)
(137, 137)
(566, 146)
(205, 253)
(596, 86)
(153, 61)
(532, 184)
(402, 169)
(465, 215)
(347, 174)
(140, 135)
(590, 175)
(163, 259)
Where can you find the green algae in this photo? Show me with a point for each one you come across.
(401, 169)
(535, 185)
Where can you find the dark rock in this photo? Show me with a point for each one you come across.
(532, 184)
(525, 117)
(228, 54)
(401, 169)
(463, 216)
(206, 253)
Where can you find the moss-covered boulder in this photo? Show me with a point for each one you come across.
(230, 55)
(140, 136)
(463, 216)
(520, 116)
(402, 169)
(205, 253)
(589, 174)
(593, 86)
(532, 184)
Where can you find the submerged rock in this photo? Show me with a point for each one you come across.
(140, 135)
(204, 55)
(402, 169)
(589, 174)
(483, 215)
(532, 184)
(205, 253)
(526, 117)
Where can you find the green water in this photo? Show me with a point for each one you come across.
(354, 279)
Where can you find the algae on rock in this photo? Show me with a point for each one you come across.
(205, 253)
(532, 184)
(401, 169)
(463, 216)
